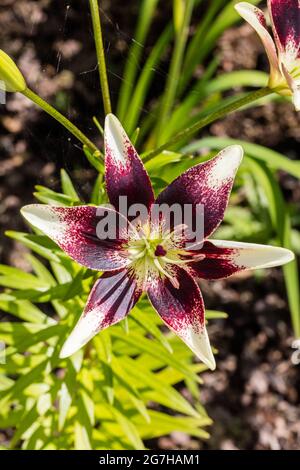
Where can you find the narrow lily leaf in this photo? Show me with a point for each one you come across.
(44, 403)
(145, 79)
(40, 270)
(272, 158)
(169, 96)
(162, 424)
(53, 199)
(13, 332)
(64, 404)
(178, 14)
(25, 381)
(125, 381)
(94, 159)
(143, 320)
(282, 225)
(67, 186)
(147, 346)
(88, 404)
(5, 382)
(182, 117)
(129, 429)
(214, 314)
(27, 421)
(224, 20)
(37, 243)
(81, 437)
(16, 278)
(191, 60)
(146, 13)
(23, 310)
(98, 193)
(158, 390)
(25, 342)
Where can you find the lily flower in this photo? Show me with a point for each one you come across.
(150, 256)
(284, 51)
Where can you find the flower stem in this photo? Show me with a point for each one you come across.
(94, 7)
(61, 119)
(227, 109)
(175, 68)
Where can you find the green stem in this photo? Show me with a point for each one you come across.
(175, 67)
(94, 7)
(227, 109)
(61, 119)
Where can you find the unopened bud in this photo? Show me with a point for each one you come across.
(11, 78)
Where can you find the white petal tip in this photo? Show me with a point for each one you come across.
(277, 257)
(200, 345)
(210, 363)
(33, 212)
(239, 7)
(68, 349)
(73, 343)
(236, 152)
(84, 331)
(288, 256)
(296, 101)
(27, 210)
(112, 124)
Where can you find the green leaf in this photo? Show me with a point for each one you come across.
(40, 244)
(40, 270)
(81, 437)
(158, 391)
(161, 424)
(67, 186)
(94, 159)
(282, 225)
(23, 309)
(17, 279)
(147, 346)
(273, 159)
(146, 12)
(129, 429)
(141, 317)
(64, 403)
(144, 81)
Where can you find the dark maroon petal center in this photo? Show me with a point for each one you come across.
(160, 251)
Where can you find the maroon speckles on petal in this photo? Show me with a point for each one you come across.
(182, 309)
(110, 300)
(75, 231)
(286, 24)
(112, 297)
(208, 184)
(218, 262)
(261, 17)
(125, 174)
(179, 307)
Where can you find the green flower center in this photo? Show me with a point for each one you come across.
(158, 254)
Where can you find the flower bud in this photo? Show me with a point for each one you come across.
(11, 78)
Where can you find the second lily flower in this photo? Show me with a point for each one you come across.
(285, 61)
